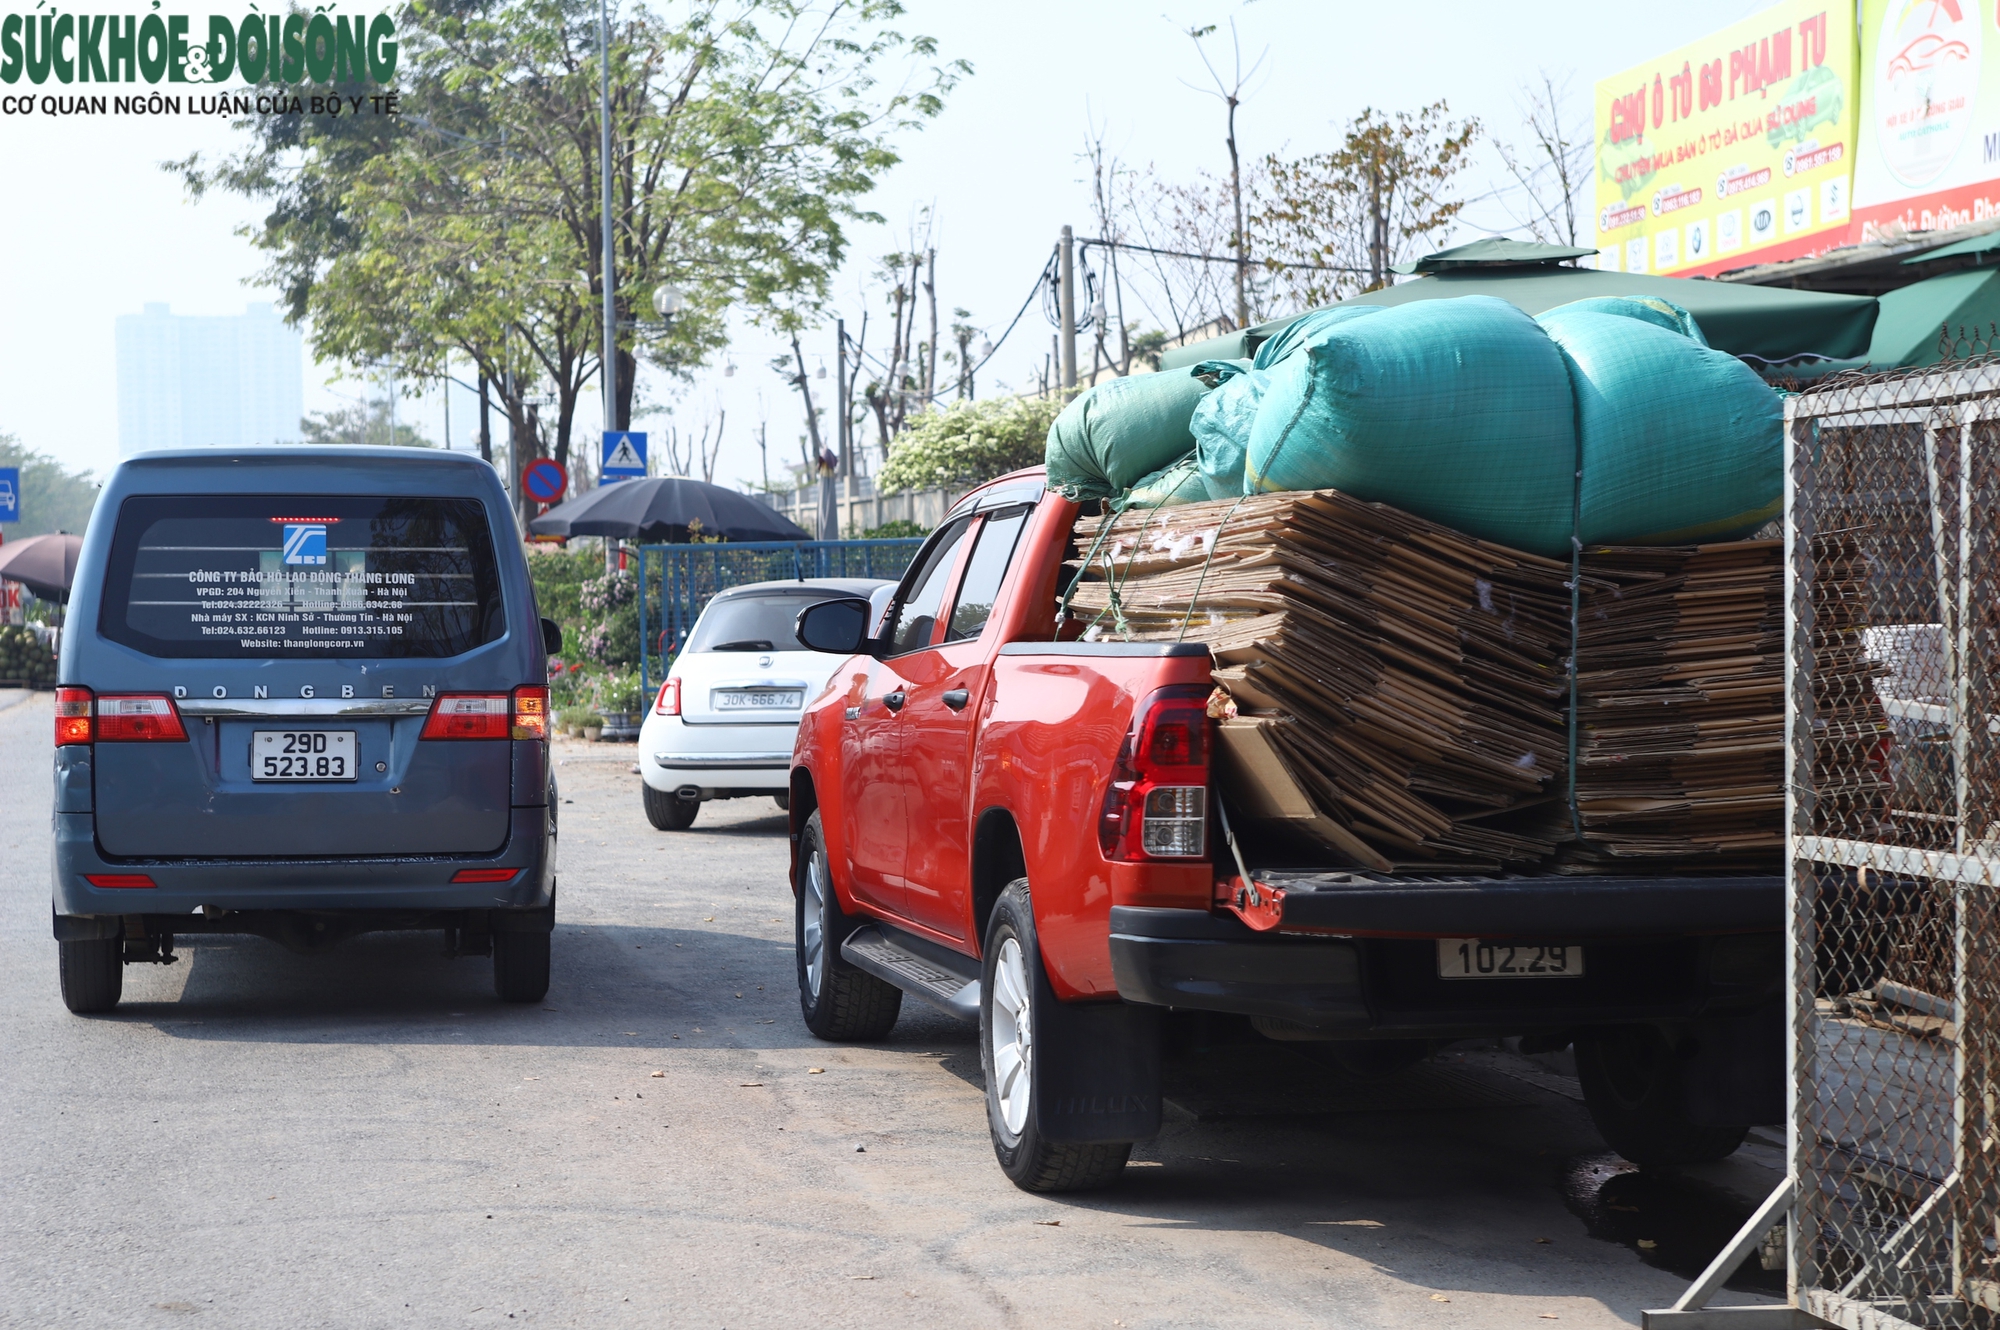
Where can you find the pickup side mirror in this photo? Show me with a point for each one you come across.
(551, 636)
(839, 627)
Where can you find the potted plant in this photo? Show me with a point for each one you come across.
(593, 727)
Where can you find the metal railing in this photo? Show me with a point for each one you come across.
(676, 582)
(1893, 857)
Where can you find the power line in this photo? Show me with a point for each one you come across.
(1217, 258)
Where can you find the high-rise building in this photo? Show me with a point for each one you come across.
(223, 381)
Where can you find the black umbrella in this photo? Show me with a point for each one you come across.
(666, 509)
(46, 565)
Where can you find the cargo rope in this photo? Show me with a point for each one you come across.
(1575, 616)
(1202, 580)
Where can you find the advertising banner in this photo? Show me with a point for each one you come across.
(1929, 139)
(1733, 150)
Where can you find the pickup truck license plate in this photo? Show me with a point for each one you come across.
(759, 699)
(302, 755)
(1471, 958)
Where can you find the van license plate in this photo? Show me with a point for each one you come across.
(302, 755)
(1472, 958)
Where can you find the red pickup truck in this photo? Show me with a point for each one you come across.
(1021, 830)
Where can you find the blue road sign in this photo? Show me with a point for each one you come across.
(10, 493)
(624, 456)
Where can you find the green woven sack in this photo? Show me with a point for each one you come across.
(1681, 443)
(1306, 328)
(1178, 483)
(1119, 431)
(1222, 423)
(1456, 410)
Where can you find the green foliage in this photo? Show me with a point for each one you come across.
(900, 529)
(970, 442)
(53, 498)
(362, 422)
(559, 576)
(471, 224)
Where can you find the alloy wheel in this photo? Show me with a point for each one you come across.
(1011, 1036)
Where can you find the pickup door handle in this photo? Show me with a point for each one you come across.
(893, 701)
(956, 699)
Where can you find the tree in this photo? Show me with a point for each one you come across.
(970, 442)
(745, 134)
(360, 423)
(1365, 206)
(1553, 168)
(52, 497)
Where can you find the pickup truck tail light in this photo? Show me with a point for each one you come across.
(669, 701)
(1156, 806)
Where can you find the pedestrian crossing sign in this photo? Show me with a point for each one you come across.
(624, 456)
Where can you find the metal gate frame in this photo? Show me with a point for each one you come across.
(690, 575)
(1892, 543)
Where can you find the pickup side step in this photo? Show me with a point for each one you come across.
(924, 970)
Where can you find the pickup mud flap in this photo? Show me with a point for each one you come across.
(1099, 1067)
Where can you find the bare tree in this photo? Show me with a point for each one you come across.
(1552, 166)
(687, 452)
(1231, 94)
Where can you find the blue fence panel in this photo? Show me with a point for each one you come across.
(676, 582)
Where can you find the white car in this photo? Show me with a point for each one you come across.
(723, 723)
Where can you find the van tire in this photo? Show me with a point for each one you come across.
(521, 966)
(838, 1001)
(92, 973)
(1011, 975)
(667, 811)
(1631, 1078)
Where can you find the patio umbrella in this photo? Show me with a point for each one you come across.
(45, 565)
(1767, 323)
(665, 509)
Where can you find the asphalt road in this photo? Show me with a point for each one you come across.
(368, 1138)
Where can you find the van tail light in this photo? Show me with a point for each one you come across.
(669, 701)
(1156, 806)
(72, 716)
(470, 716)
(531, 712)
(138, 718)
(123, 881)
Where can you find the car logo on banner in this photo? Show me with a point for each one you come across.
(305, 545)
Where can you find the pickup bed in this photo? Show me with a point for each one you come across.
(1022, 830)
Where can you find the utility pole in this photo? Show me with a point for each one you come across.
(844, 432)
(1067, 347)
(1236, 196)
(930, 365)
(608, 354)
(485, 422)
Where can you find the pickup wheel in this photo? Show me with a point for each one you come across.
(837, 1000)
(1631, 1080)
(667, 811)
(92, 974)
(1011, 986)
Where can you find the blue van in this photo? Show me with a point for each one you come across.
(303, 694)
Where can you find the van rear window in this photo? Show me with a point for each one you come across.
(301, 576)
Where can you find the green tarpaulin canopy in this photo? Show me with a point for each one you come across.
(1912, 318)
(1773, 324)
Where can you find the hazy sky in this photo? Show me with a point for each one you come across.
(93, 228)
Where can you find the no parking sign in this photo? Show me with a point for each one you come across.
(545, 480)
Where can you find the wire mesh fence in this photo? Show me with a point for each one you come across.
(676, 582)
(1894, 863)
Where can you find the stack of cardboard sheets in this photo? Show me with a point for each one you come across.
(1681, 706)
(1399, 691)
(1408, 678)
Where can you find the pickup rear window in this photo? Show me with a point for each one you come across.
(230, 576)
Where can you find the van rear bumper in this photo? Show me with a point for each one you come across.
(414, 882)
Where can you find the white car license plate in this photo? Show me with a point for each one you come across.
(302, 755)
(1472, 958)
(759, 699)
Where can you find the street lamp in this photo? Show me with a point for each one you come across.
(668, 300)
